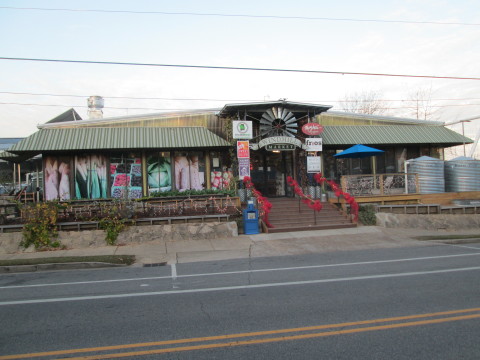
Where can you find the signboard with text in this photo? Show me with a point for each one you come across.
(242, 129)
(279, 147)
(314, 164)
(313, 144)
(243, 150)
(243, 167)
(312, 129)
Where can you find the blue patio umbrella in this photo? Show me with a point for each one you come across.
(358, 151)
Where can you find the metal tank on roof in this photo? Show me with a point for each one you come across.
(95, 107)
(430, 174)
(462, 174)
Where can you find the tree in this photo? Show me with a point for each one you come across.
(419, 104)
(6, 177)
(366, 102)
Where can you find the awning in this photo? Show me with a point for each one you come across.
(77, 139)
(358, 151)
(392, 134)
(261, 107)
(8, 156)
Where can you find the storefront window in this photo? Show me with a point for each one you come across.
(159, 170)
(221, 174)
(390, 160)
(90, 176)
(189, 171)
(400, 158)
(126, 176)
(57, 178)
(329, 168)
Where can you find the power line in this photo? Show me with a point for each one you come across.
(276, 17)
(239, 68)
(226, 100)
(125, 97)
(196, 109)
(106, 107)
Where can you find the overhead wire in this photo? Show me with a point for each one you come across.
(197, 109)
(225, 100)
(212, 67)
(251, 16)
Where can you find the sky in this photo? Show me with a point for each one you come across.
(419, 37)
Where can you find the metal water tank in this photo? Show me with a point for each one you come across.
(462, 174)
(95, 107)
(95, 102)
(430, 174)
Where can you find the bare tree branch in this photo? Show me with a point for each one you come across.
(366, 102)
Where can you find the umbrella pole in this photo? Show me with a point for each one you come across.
(374, 167)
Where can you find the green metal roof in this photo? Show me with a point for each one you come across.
(118, 138)
(5, 155)
(392, 134)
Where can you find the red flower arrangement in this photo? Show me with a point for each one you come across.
(338, 192)
(312, 204)
(264, 205)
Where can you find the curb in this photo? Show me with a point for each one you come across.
(451, 241)
(55, 266)
(457, 241)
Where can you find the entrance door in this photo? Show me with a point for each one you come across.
(270, 170)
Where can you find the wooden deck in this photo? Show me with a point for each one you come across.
(400, 199)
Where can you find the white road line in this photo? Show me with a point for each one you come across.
(85, 282)
(174, 272)
(174, 276)
(241, 287)
(247, 271)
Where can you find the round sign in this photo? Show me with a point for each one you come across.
(312, 129)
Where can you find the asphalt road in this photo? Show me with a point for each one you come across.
(404, 303)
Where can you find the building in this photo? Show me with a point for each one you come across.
(137, 156)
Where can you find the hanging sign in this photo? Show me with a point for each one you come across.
(242, 129)
(278, 140)
(243, 150)
(312, 129)
(243, 167)
(313, 144)
(280, 147)
(314, 164)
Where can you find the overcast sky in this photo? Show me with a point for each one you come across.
(437, 38)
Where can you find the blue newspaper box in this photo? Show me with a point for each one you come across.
(250, 220)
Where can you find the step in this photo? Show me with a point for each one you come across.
(305, 218)
(290, 214)
(278, 229)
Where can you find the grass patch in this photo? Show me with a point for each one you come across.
(446, 237)
(110, 259)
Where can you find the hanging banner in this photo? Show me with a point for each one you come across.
(243, 150)
(242, 129)
(314, 164)
(243, 167)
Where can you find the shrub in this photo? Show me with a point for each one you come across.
(40, 225)
(113, 222)
(188, 193)
(366, 215)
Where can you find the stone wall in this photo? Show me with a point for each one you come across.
(9, 242)
(429, 222)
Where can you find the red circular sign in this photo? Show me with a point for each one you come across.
(312, 129)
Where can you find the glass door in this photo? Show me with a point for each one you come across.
(269, 171)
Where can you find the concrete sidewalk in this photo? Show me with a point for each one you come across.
(245, 246)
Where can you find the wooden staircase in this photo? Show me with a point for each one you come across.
(288, 214)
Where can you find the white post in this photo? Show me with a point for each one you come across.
(406, 177)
